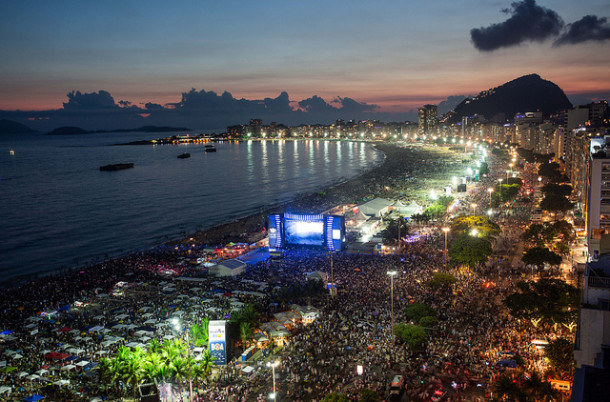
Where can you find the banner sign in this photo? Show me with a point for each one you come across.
(217, 337)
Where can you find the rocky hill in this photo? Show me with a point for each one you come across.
(529, 93)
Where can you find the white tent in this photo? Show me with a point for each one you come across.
(68, 367)
(232, 267)
(62, 382)
(6, 390)
(42, 372)
(375, 207)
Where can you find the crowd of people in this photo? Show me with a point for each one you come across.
(456, 362)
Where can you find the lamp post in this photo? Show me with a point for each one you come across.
(392, 274)
(177, 327)
(474, 208)
(446, 230)
(490, 190)
(332, 277)
(273, 366)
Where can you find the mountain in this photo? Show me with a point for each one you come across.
(12, 127)
(529, 93)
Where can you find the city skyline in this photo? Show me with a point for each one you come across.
(346, 58)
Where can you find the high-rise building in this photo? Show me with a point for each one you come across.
(427, 117)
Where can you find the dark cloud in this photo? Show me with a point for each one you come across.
(348, 105)
(281, 104)
(197, 109)
(90, 101)
(315, 104)
(589, 27)
(528, 22)
(153, 106)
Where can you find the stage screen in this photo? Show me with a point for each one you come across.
(307, 230)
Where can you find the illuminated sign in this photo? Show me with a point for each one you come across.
(217, 340)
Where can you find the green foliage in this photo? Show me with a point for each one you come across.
(428, 322)
(484, 169)
(335, 397)
(508, 192)
(539, 256)
(199, 333)
(484, 226)
(421, 218)
(533, 232)
(439, 206)
(562, 190)
(556, 203)
(562, 248)
(550, 171)
(167, 362)
(565, 229)
(394, 227)
(560, 353)
(368, 395)
(440, 280)
(413, 335)
(469, 250)
(248, 313)
(550, 300)
(416, 311)
(507, 389)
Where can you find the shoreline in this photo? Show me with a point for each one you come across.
(397, 161)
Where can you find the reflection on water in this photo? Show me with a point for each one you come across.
(59, 209)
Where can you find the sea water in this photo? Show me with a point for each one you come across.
(58, 209)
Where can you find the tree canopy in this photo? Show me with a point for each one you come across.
(556, 203)
(413, 335)
(470, 250)
(549, 300)
(539, 256)
(484, 226)
(557, 189)
(394, 227)
(560, 353)
(416, 311)
(440, 280)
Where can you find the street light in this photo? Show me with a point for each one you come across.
(177, 327)
(273, 366)
(491, 190)
(445, 230)
(392, 274)
(474, 208)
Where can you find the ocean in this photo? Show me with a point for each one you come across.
(57, 209)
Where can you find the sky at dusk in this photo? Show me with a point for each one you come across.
(386, 57)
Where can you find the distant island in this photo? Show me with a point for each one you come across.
(12, 127)
(68, 130)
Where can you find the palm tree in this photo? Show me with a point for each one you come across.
(199, 333)
(508, 390)
(540, 390)
(152, 366)
(133, 371)
(245, 331)
(104, 368)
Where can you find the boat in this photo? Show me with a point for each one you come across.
(184, 155)
(210, 148)
(116, 166)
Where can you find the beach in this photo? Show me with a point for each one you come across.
(75, 318)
